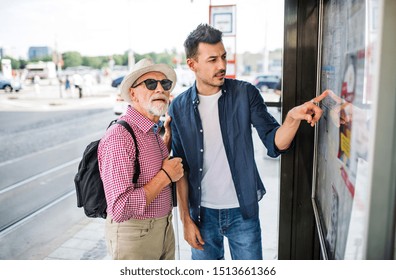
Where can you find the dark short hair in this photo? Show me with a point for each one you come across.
(204, 33)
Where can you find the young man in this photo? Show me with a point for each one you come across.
(139, 221)
(212, 132)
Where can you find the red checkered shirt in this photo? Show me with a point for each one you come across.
(116, 154)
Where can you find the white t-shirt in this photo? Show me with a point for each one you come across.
(218, 190)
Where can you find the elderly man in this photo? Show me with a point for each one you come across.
(139, 221)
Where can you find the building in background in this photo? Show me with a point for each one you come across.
(39, 52)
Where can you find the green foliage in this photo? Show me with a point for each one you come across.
(96, 62)
(15, 64)
(121, 59)
(22, 64)
(43, 58)
(73, 59)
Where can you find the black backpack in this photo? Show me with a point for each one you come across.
(89, 186)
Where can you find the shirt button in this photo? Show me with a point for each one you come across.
(201, 131)
(200, 169)
(201, 150)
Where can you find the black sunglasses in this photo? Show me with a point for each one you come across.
(151, 84)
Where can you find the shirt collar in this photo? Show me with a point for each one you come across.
(157, 126)
(142, 122)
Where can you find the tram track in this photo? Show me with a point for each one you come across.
(38, 192)
(32, 178)
(40, 153)
(6, 229)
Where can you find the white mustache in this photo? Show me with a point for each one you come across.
(159, 97)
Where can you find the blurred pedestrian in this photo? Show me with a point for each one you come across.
(88, 84)
(78, 84)
(36, 82)
(67, 84)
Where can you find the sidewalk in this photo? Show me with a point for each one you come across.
(52, 97)
(89, 243)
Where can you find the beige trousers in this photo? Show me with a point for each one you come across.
(149, 239)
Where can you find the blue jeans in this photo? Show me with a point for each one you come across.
(244, 235)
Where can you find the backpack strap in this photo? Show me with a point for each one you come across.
(137, 165)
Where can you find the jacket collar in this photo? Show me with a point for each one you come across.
(194, 92)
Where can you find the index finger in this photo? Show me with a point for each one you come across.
(319, 98)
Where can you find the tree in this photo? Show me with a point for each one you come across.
(72, 59)
(121, 59)
(22, 63)
(15, 64)
(96, 62)
(42, 58)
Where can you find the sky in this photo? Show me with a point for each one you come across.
(105, 27)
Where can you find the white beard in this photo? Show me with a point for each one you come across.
(157, 108)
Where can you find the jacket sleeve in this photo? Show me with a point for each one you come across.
(265, 124)
(177, 146)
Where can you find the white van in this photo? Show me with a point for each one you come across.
(44, 70)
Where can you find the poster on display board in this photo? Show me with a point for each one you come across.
(341, 187)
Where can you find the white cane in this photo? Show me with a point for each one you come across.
(176, 226)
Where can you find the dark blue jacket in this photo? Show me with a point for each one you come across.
(240, 107)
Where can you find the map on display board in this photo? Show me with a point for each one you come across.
(341, 187)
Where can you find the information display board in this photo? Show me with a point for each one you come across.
(223, 17)
(342, 186)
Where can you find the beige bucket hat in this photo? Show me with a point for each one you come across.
(140, 68)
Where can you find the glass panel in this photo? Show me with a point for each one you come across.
(349, 42)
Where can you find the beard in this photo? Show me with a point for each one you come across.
(213, 81)
(157, 107)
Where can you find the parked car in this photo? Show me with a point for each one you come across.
(117, 81)
(265, 82)
(120, 106)
(10, 85)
